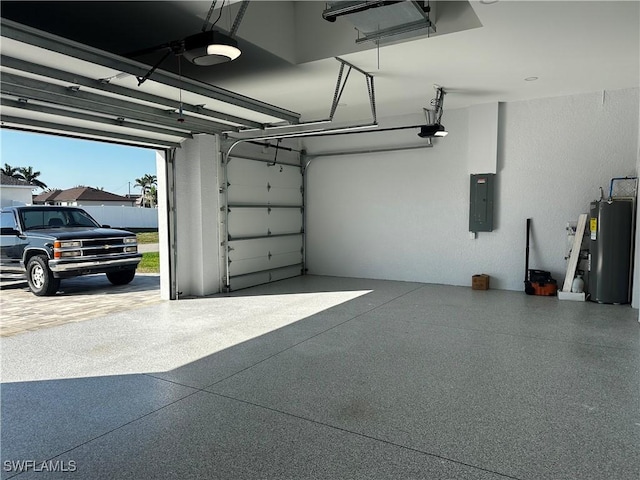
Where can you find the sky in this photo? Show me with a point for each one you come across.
(67, 162)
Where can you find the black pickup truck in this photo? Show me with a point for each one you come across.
(49, 243)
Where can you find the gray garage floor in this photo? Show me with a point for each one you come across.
(320, 377)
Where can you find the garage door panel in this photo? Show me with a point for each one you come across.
(251, 265)
(284, 176)
(265, 217)
(250, 280)
(244, 222)
(257, 173)
(263, 254)
(256, 182)
(263, 195)
(262, 246)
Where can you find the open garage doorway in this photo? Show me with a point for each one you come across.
(117, 185)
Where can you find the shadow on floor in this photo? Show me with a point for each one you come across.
(400, 381)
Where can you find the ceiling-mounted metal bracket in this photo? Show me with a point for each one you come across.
(307, 128)
(438, 103)
(340, 87)
(239, 16)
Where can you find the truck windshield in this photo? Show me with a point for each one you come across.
(33, 219)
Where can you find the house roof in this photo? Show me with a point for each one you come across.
(47, 196)
(81, 193)
(8, 181)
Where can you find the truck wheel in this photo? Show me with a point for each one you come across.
(40, 279)
(121, 277)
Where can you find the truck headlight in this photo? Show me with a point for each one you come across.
(130, 240)
(66, 244)
(70, 253)
(130, 249)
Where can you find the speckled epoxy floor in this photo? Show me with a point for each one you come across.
(321, 377)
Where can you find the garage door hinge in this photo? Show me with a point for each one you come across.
(269, 256)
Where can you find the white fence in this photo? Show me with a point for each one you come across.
(124, 217)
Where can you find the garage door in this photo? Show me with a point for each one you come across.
(54, 85)
(264, 214)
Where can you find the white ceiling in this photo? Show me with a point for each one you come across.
(481, 53)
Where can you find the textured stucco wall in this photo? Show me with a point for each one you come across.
(404, 215)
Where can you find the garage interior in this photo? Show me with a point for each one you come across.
(321, 247)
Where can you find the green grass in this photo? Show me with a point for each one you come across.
(150, 263)
(147, 237)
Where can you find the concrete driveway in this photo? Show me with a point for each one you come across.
(78, 299)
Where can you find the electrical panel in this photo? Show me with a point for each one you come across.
(481, 202)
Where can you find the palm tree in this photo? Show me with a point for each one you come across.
(10, 171)
(145, 183)
(153, 195)
(31, 177)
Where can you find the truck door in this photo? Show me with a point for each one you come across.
(12, 242)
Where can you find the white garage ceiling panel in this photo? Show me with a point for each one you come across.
(51, 84)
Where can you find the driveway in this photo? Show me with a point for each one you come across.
(148, 247)
(78, 299)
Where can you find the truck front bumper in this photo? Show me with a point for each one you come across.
(74, 267)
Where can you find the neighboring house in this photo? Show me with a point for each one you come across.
(14, 191)
(82, 197)
(46, 198)
(136, 198)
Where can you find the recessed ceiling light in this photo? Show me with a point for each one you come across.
(488, 2)
(531, 79)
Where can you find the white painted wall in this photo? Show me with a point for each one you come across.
(404, 215)
(123, 217)
(96, 203)
(197, 209)
(11, 195)
(162, 175)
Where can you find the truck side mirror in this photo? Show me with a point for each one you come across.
(106, 226)
(9, 231)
